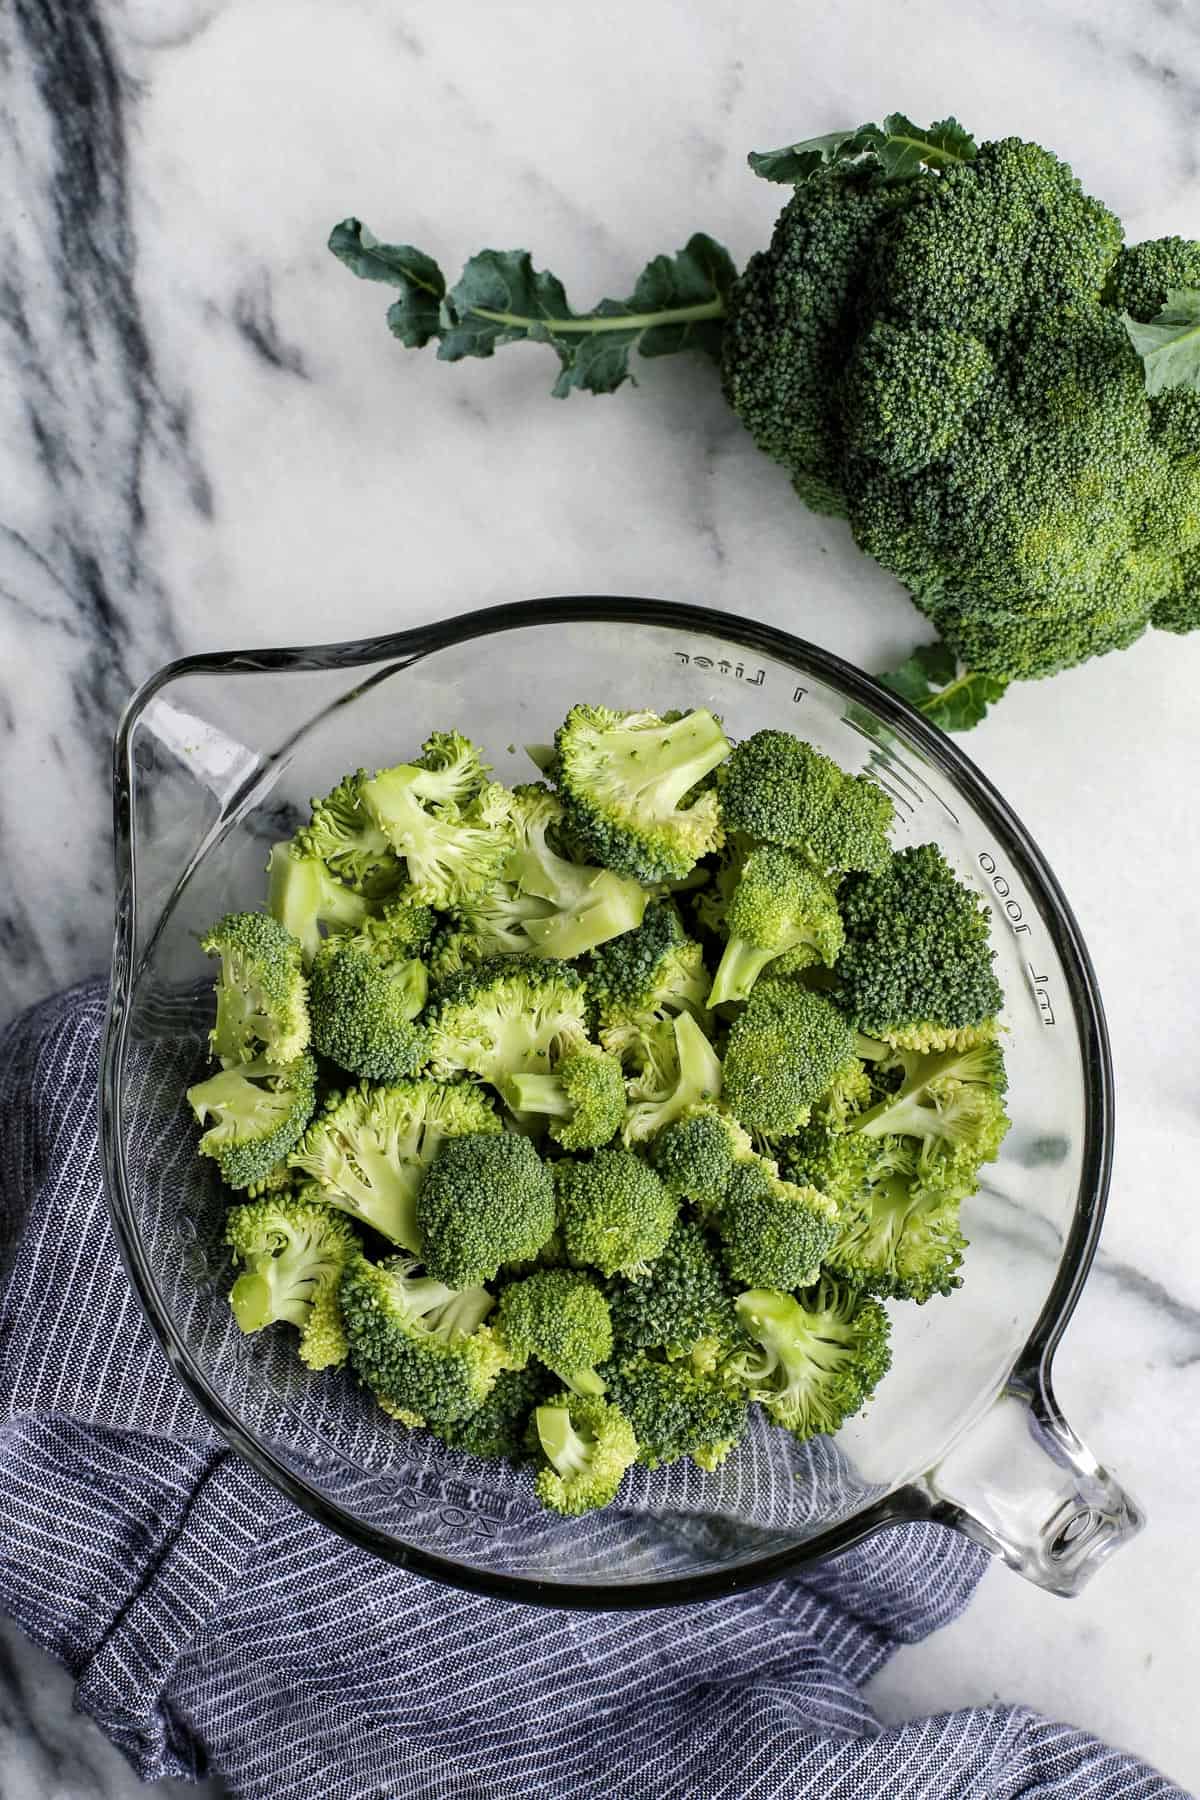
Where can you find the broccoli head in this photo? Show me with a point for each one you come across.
(368, 1149)
(419, 1345)
(500, 1427)
(560, 1317)
(781, 790)
(950, 1103)
(816, 1358)
(683, 1299)
(262, 1001)
(487, 1198)
(452, 827)
(308, 901)
(626, 782)
(614, 1213)
(781, 907)
(365, 992)
(585, 1446)
(773, 1233)
(643, 978)
(342, 835)
(505, 1016)
(785, 1049)
(292, 1255)
(696, 1152)
(676, 1409)
(258, 1111)
(583, 1096)
(916, 965)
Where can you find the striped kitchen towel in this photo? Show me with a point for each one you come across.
(211, 1626)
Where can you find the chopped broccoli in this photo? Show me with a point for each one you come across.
(696, 1152)
(784, 1051)
(779, 789)
(487, 1198)
(366, 991)
(505, 1016)
(304, 897)
(586, 1446)
(417, 1344)
(624, 780)
(560, 1317)
(682, 1300)
(916, 966)
(780, 907)
(342, 835)
(816, 1358)
(500, 1427)
(259, 1111)
(262, 1002)
(690, 1075)
(951, 1103)
(614, 1213)
(451, 852)
(773, 1233)
(369, 1149)
(293, 1255)
(644, 978)
(583, 1096)
(676, 1409)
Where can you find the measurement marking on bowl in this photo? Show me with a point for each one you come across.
(732, 671)
(1015, 915)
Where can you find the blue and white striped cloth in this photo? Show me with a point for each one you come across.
(211, 1626)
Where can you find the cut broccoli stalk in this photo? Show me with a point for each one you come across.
(696, 1079)
(304, 897)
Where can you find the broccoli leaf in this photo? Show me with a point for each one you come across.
(1169, 345)
(416, 316)
(931, 682)
(678, 303)
(901, 148)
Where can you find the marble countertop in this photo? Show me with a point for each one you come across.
(207, 438)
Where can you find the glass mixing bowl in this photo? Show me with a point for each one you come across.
(215, 760)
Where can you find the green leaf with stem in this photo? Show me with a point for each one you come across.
(900, 148)
(1169, 345)
(932, 682)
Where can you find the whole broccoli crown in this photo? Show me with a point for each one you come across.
(342, 834)
(625, 781)
(487, 1198)
(416, 1344)
(369, 1148)
(259, 1111)
(303, 896)
(908, 392)
(614, 1213)
(898, 1232)
(292, 1254)
(785, 1049)
(585, 1445)
(560, 1317)
(773, 1233)
(365, 996)
(695, 1153)
(675, 1409)
(262, 1000)
(777, 788)
(818, 1357)
(499, 1428)
(917, 952)
(683, 1299)
(504, 1016)
(594, 1089)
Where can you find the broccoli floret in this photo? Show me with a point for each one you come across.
(916, 966)
(417, 1344)
(773, 1233)
(366, 991)
(784, 1051)
(687, 1076)
(951, 1103)
(816, 1358)
(778, 788)
(262, 1001)
(682, 1300)
(342, 835)
(780, 907)
(899, 1232)
(506, 1016)
(586, 1445)
(369, 1149)
(487, 1198)
(304, 897)
(451, 853)
(624, 780)
(583, 1096)
(500, 1427)
(614, 1213)
(643, 978)
(259, 1111)
(293, 1255)
(696, 1152)
(560, 1317)
(676, 1409)
(548, 904)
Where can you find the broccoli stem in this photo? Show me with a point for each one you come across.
(563, 1445)
(738, 970)
(671, 315)
(250, 1297)
(582, 1381)
(538, 1094)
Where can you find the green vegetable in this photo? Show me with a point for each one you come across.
(676, 1409)
(262, 1002)
(293, 1255)
(486, 1199)
(614, 1213)
(416, 1343)
(683, 1299)
(784, 1051)
(781, 907)
(683, 1071)
(817, 1357)
(779, 789)
(773, 1233)
(585, 1446)
(561, 1318)
(933, 681)
(366, 990)
(258, 1111)
(304, 897)
(505, 1016)
(695, 1154)
(583, 1096)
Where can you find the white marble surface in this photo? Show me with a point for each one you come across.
(207, 438)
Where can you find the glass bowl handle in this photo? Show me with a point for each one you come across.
(1024, 1486)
